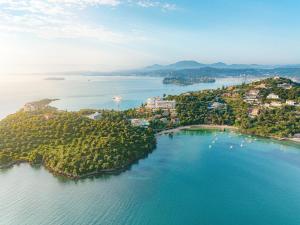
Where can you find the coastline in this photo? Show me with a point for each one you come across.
(222, 128)
(164, 132)
(197, 127)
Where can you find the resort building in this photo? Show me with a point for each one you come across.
(139, 122)
(158, 103)
(272, 96)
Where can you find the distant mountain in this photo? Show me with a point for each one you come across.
(191, 64)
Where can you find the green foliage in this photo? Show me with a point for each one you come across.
(71, 144)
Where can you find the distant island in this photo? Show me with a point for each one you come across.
(89, 142)
(187, 80)
(55, 78)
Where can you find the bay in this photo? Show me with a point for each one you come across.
(184, 181)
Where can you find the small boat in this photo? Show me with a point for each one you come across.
(117, 98)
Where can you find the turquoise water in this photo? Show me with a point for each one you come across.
(188, 179)
(77, 92)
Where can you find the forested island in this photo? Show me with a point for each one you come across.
(88, 142)
(187, 80)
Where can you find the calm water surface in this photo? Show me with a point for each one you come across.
(187, 180)
(183, 181)
(77, 92)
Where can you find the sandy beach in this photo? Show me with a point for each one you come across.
(196, 127)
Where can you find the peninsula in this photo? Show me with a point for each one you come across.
(89, 142)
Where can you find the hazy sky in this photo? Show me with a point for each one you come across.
(72, 35)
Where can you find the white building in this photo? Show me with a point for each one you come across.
(285, 86)
(95, 116)
(272, 96)
(216, 105)
(158, 103)
(290, 102)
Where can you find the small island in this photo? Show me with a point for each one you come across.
(90, 142)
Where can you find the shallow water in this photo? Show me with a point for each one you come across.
(184, 181)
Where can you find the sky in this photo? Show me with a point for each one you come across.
(105, 35)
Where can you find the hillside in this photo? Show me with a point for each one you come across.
(70, 144)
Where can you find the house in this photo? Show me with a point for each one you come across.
(95, 116)
(164, 120)
(276, 78)
(139, 122)
(275, 104)
(261, 86)
(253, 93)
(254, 112)
(285, 86)
(216, 105)
(29, 107)
(290, 102)
(296, 135)
(158, 103)
(252, 96)
(272, 96)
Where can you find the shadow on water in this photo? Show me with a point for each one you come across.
(100, 176)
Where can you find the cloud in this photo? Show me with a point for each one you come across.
(156, 4)
(59, 18)
(55, 19)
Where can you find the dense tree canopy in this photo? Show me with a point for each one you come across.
(71, 144)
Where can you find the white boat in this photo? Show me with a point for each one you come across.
(117, 98)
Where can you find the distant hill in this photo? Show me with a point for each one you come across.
(191, 64)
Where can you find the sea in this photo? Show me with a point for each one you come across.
(203, 177)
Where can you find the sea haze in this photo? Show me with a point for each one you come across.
(77, 92)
